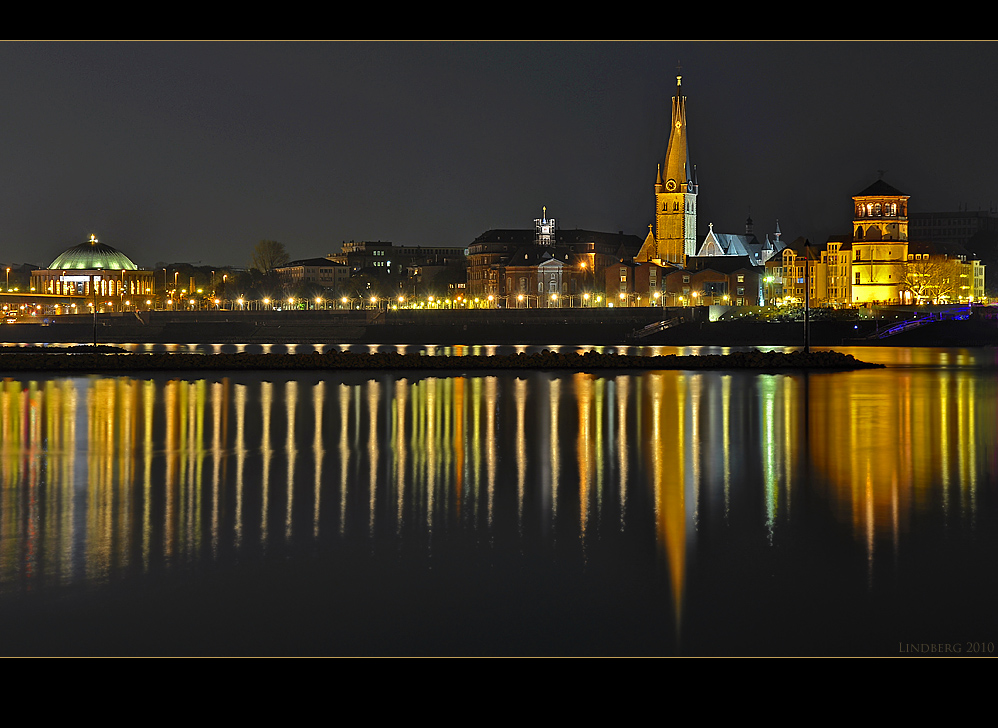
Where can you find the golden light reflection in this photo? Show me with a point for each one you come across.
(110, 475)
(667, 452)
(890, 447)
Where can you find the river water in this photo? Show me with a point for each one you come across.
(529, 513)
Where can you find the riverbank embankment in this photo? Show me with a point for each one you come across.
(80, 360)
(531, 327)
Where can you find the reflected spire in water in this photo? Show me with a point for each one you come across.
(667, 444)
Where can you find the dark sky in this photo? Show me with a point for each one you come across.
(195, 151)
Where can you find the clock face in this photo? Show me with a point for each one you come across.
(671, 185)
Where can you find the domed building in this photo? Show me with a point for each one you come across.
(93, 264)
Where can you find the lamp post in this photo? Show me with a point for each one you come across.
(93, 282)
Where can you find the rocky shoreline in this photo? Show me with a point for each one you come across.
(86, 359)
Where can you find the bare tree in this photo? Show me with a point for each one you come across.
(268, 255)
(931, 279)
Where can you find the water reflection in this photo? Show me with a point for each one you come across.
(104, 477)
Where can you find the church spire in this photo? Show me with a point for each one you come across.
(675, 195)
(677, 158)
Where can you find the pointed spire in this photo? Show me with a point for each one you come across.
(677, 160)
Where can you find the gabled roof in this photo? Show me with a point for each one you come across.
(747, 246)
(881, 189)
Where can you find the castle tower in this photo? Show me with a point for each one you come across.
(675, 196)
(879, 244)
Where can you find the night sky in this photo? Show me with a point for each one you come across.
(193, 152)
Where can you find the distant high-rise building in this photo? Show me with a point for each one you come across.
(673, 236)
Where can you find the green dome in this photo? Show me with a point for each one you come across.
(92, 255)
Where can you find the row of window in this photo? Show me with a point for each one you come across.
(875, 209)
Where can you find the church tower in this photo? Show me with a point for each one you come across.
(674, 235)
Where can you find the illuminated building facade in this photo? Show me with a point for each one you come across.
(526, 267)
(837, 260)
(93, 268)
(673, 236)
(320, 271)
(943, 273)
(879, 244)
